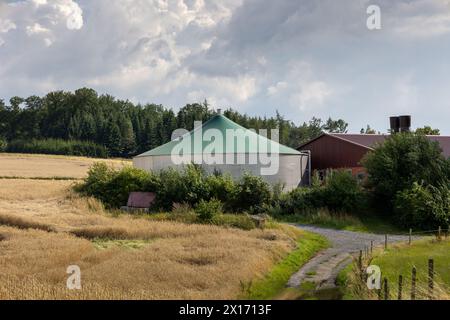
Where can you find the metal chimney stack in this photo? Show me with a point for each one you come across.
(405, 123)
(395, 124)
(400, 124)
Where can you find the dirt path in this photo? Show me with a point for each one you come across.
(323, 269)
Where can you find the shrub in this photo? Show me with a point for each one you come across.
(59, 147)
(113, 187)
(128, 180)
(342, 192)
(400, 161)
(194, 185)
(423, 206)
(223, 188)
(190, 186)
(251, 193)
(3, 144)
(96, 182)
(187, 186)
(207, 210)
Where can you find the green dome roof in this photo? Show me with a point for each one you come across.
(222, 124)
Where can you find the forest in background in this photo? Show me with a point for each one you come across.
(101, 125)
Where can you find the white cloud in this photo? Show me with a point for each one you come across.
(301, 87)
(275, 89)
(6, 25)
(47, 21)
(311, 95)
(36, 29)
(424, 26)
(302, 57)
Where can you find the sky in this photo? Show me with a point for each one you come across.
(303, 58)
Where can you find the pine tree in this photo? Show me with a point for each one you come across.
(113, 139)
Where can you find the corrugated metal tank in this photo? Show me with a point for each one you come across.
(292, 164)
(292, 170)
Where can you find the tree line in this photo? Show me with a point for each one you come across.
(125, 129)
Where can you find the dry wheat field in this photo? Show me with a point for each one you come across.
(49, 166)
(45, 227)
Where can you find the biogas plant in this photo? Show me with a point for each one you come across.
(221, 145)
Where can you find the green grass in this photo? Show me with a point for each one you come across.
(399, 260)
(369, 224)
(275, 281)
(343, 280)
(103, 244)
(239, 221)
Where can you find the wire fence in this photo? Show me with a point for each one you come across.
(385, 291)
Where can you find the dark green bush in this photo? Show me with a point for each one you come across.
(400, 161)
(423, 207)
(58, 147)
(223, 188)
(252, 193)
(3, 144)
(113, 187)
(342, 192)
(207, 210)
(187, 186)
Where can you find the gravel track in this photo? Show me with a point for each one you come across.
(322, 270)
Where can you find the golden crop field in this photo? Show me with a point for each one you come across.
(45, 227)
(49, 166)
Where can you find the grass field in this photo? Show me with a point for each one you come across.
(45, 227)
(49, 166)
(399, 260)
(364, 223)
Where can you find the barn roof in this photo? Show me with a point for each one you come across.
(370, 141)
(222, 124)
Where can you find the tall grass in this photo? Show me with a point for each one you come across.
(20, 223)
(399, 259)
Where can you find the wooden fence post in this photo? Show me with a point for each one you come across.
(439, 233)
(360, 260)
(410, 236)
(430, 278)
(400, 287)
(386, 289)
(385, 241)
(413, 283)
(379, 290)
(371, 247)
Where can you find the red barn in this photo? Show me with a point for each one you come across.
(345, 151)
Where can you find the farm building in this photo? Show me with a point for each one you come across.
(221, 145)
(345, 151)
